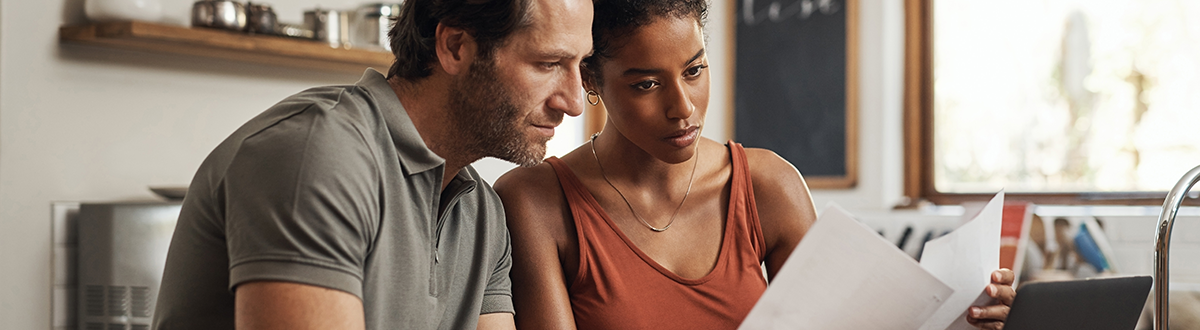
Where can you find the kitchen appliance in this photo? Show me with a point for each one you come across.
(372, 23)
(330, 26)
(121, 256)
(221, 14)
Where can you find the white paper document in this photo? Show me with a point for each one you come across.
(964, 259)
(843, 275)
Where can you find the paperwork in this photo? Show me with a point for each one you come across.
(843, 275)
(964, 259)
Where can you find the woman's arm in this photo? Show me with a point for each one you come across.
(785, 209)
(538, 222)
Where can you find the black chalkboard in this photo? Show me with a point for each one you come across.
(794, 90)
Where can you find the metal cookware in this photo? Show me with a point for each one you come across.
(330, 26)
(260, 18)
(372, 23)
(221, 14)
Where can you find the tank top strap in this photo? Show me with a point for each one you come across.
(579, 199)
(742, 189)
(584, 214)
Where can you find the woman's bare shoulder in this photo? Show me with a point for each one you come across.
(534, 205)
(779, 189)
(785, 207)
(529, 187)
(766, 167)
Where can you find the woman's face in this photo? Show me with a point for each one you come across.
(656, 87)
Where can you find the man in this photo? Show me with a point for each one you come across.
(355, 207)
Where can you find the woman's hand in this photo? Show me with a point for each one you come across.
(1002, 293)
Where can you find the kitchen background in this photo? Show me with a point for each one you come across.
(81, 123)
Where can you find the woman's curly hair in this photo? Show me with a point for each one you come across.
(615, 19)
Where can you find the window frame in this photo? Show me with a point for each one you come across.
(918, 131)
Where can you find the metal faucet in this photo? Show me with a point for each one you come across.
(1162, 245)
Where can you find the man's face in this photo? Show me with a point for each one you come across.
(509, 104)
(487, 117)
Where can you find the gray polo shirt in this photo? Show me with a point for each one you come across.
(333, 187)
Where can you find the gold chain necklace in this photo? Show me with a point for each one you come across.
(631, 210)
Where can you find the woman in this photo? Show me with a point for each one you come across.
(649, 225)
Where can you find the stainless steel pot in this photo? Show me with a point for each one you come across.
(221, 14)
(260, 18)
(330, 26)
(372, 23)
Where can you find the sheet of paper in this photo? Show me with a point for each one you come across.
(843, 275)
(964, 259)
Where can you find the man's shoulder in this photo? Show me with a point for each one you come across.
(481, 185)
(321, 97)
(318, 101)
(292, 120)
(314, 133)
(326, 110)
(340, 102)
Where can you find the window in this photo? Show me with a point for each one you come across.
(1057, 101)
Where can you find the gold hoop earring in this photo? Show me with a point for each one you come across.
(590, 94)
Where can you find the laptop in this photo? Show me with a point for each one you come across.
(1095, 304)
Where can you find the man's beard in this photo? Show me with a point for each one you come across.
(486, 121)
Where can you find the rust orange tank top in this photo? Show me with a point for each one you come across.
(620, 287)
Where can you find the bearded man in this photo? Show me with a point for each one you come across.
(355, 207)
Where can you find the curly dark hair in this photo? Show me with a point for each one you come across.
(615, 19)
(490, 22)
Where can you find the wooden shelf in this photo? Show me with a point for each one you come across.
(222, 44)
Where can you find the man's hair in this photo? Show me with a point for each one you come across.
(490, 22)
(616, 19)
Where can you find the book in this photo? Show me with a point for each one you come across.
(1014, 235)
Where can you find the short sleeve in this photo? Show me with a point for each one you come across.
(301, 203)
(497, 297)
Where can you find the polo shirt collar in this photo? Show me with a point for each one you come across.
(415, 156)
(462, 181)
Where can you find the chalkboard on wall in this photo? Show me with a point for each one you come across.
(795, 86)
